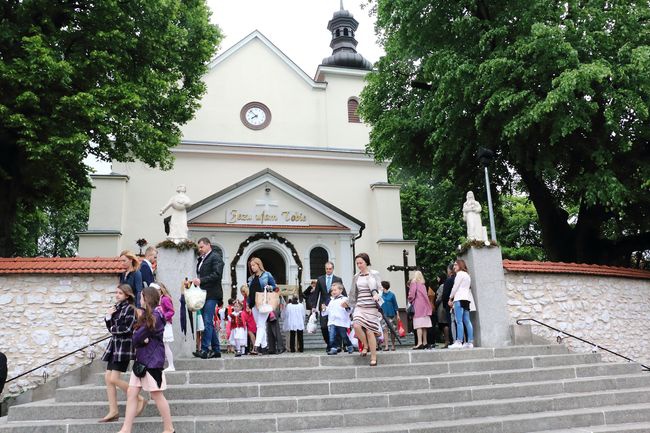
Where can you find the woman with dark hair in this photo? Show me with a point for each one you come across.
(119, 351)
(131, 274)
(364, 297)
(463, 302)
(259, 281)
(441, 310)
(149, 351)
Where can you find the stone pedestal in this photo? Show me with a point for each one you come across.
(492, 319)
(173, 267)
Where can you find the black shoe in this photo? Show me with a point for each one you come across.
(214, 354)
(237, 355)
(204, 355)
(282, 351)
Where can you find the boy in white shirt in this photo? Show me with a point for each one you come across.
(338, 319)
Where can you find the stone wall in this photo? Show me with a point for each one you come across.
(610, 311)
(44, 316)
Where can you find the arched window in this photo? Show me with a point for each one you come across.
(345, 32)
(317, 258)
(353, 105)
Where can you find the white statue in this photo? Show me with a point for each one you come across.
(472, 216)
(178, 224)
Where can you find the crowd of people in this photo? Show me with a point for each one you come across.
(364, 319)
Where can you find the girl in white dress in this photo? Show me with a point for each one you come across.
(238, 331)
(294, 322)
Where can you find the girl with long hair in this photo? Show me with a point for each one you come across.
(150, 351)
(119, 352)
(131, 274)
(167, 309)
(462, 301)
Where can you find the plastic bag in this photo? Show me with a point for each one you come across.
(195, 298)
(400, 328)
(312, 324)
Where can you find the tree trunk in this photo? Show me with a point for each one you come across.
(8, 207)
(557, 235)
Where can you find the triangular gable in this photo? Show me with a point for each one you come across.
(259, 36)
(269, 177)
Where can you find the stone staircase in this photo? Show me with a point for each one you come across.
(506, 390)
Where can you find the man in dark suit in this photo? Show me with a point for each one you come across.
(209, 270)
(323, 286)
(146, 267)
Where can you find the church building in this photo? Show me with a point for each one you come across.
(276, 167)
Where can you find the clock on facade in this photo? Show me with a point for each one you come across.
(255, 115)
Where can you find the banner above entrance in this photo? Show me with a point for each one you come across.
(270, 217)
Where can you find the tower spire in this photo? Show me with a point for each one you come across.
(343, 44)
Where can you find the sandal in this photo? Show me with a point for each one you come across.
(373, 363)
(112, 418)
(144, 402)
(418, 347)
(364, 352)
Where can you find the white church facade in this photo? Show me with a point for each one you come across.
(275, 164)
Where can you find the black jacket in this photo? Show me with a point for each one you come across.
(210, 275)
(321, 287)
(446, 290)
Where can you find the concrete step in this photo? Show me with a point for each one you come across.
(597, 388)
(412, 419)
(637, 427)
(343, 370)
(365, 382)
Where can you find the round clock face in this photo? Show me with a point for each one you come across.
(255, 115)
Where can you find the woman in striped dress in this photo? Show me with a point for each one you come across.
(365, 293)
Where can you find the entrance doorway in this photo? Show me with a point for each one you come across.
(273, 263)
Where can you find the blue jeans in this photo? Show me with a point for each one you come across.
(462, 319)
(338, 335)
(210, 337)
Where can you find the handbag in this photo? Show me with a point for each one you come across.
(266, 301)
(312, 325)
(195, 298)
(139, 369)
(410, 310)
(400, 328)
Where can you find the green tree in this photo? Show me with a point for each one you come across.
(431, 215)
(51, 229)
(113, 79)
(559, 90)
(519, 234)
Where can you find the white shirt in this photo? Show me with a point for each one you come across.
(336, 314)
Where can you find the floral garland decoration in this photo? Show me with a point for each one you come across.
(254, 238)
(180, 247)
(475, 243)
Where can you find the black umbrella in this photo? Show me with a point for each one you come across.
(389, 324)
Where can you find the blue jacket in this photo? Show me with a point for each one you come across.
(134, 279)
(266, 279)
(390, 304)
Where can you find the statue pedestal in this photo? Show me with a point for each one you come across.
(173, 267)
(492, 319)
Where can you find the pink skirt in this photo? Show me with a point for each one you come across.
(148, 383)
(422, 322)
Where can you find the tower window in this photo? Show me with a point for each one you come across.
(353, 105)
(345, 32)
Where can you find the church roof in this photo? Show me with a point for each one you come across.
(573, 268)
(269, 175)
(61, 265)
(257, 35)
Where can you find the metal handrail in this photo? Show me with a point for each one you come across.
(60, 358)
(645, 367)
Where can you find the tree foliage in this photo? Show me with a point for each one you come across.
(51, 230)
(113, 79)
(559, 90)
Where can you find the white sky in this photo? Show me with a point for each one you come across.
(297, 27)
